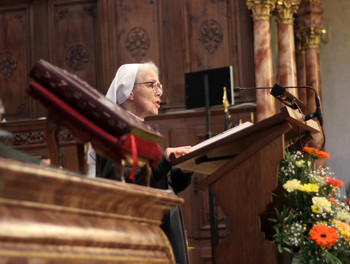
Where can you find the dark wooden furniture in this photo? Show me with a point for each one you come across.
(243, 186)
(30, 137)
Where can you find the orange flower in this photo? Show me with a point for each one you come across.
(324, 235)
(334, 182)
(333, 200)
(309, 150)
(322, 154)
(316, 153)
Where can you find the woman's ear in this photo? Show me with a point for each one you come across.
(131, 96)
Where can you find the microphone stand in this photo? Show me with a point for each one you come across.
(226, 103)
(212, 202)
(207, 105)
(291, 101)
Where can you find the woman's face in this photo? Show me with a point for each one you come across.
(146, 99)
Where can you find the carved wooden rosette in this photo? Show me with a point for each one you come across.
(210, 35)
(8, 64)
(77, 57)
(137, 43)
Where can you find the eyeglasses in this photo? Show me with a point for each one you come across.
(154, 85)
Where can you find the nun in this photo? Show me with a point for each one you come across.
(136, 88)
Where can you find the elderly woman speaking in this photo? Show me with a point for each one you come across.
(137, 89)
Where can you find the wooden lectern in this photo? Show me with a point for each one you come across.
(243, 175)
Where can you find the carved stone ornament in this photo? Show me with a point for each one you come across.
(8, 64)
(210, 35)
(77, 57)
(137, 43)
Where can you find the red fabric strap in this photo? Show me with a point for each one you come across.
(134, 157)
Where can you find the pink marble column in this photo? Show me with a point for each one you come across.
(287, 73)
(265, 103)
(310, 30)
(313, 76)
(301, 71)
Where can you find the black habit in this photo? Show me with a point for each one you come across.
(163, 177)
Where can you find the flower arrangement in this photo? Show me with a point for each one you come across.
(313, 224)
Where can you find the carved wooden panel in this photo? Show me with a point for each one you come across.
(72, 31)
(173, 60)
(14, 58)
(137, 27)
(208, 41)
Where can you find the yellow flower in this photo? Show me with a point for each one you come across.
(322, 203)
(300, 163)
(292, 185)
(343, 216)
(310, 187)
(343, 228)
(315, 209)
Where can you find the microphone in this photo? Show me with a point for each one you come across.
(285, 97)
(290, 100)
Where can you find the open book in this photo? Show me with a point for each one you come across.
(212, 153)
(222, 135)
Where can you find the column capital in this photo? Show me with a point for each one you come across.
(285, 10)
(261, 9)
(311, 38)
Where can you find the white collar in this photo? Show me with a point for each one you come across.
(139, 118)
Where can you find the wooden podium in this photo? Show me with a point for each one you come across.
(243, 175)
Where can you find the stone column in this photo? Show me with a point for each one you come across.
(301, 71)
(287, 73)
(261, 9)
(310, 32)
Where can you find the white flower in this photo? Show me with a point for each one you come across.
(322, 203)
(292, 185)
(343, 216)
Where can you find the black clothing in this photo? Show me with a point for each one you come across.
(163, 177)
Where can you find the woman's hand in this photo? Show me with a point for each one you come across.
(178, 151)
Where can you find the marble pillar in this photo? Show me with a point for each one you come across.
(261, 10)
(287, 73)
(310, 32)
(301, 71)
